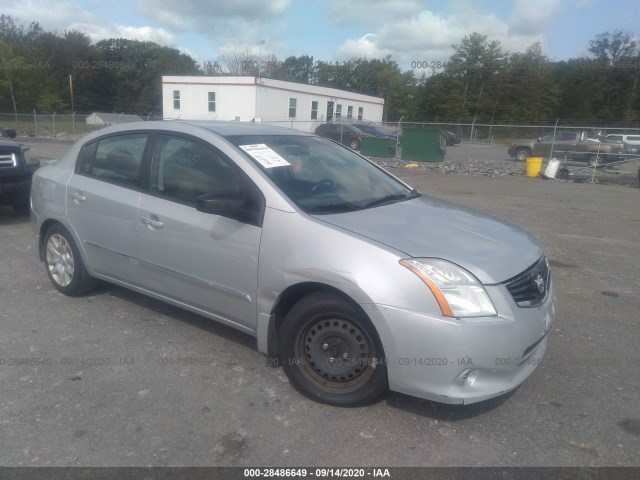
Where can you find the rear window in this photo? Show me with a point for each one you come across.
(117, 159)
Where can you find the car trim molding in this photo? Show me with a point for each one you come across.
(198, 281)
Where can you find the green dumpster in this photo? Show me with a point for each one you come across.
(377, 147)
(423, 145)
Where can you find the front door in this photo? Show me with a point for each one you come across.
(206, 261)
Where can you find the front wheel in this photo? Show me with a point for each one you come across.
(354, 144)
(331, 352)
(64, 264)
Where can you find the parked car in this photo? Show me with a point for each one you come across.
(450, 137)
(571, 144)
(351, 279)
(373, 130)
(631, 142)
(17, 164)
(344, 133)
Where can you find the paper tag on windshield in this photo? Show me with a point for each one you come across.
(265, 156)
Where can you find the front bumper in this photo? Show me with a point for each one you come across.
(463, 361)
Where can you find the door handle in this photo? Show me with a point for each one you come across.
(77, 196)
(151, 222)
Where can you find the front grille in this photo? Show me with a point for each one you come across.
(531, 287)
(7, 160)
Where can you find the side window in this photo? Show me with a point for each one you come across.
(117, 159)
(567, 136)
(184, 169)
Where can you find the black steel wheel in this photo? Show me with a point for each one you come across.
(331, 352)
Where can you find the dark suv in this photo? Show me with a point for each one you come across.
(17, 164)
(346, 134)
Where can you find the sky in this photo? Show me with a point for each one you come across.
(337, 30)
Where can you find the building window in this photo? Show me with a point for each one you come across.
(349, 112)
(314, 110)
(338, 111)
(176, 99)
(212, 101)
(360, 113)
(292, 107)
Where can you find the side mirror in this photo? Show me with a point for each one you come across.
(230, 204)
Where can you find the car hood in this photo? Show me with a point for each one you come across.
(493, 250)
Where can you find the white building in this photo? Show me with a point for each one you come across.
(264, 100)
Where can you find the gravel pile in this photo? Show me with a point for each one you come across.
(502, 168)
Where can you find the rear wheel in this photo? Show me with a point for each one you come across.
(331, 352)
(522, 154)
(64, 264)
(596, 160)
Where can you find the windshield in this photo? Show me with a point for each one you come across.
(319, 175)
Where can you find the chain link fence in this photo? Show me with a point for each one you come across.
(499, 149)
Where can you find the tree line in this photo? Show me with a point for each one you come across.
(67, 72)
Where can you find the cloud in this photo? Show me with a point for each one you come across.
(427, 36)
(211, 15)
(531, 17)
(372, 12)
(55, 15)
(365, 46)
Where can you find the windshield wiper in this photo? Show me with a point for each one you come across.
(392, 198)
(331, 208)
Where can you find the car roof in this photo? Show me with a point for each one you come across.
(223, 129)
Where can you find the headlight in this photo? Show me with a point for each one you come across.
(458, 292)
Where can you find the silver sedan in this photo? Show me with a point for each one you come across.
(352, 280)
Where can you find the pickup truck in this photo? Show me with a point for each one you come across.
(17, 164)
(574, 145)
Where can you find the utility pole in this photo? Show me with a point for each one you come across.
(71, 92)
(13, 99)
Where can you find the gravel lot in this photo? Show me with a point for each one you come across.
(119, 379)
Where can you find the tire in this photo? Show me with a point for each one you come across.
(354, 144)
(64, 264)
(22, 206)
(522, 154)
(596, 160)
(331, 352)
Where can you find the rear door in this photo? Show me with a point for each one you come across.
(203, 260)
(102, 203)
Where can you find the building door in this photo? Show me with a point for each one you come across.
(329, 111)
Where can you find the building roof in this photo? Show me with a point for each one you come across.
(270, 83)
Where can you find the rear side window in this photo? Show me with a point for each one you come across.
(633, 138)
(116, 159)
